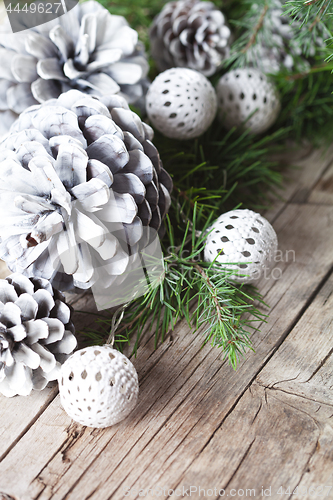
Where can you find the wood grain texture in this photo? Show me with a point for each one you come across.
(323, 189)
(304, 170)
(186, 392)
(280, 433)
(198, 422)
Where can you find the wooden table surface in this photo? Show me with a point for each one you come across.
(201, 429)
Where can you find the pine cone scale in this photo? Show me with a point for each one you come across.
(47, 360)
(28, 306)
(10, 315)
(6, 64)
(23, 68)
(49, 69)
(111, 151)
(36, 330)
(17, 332)
(27, 357)
(38, 46)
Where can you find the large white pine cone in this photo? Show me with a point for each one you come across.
(36, 334)
(87, 49)
(78, 181)
(190, 34)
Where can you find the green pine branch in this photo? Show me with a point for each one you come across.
(189, 284)
(222, 170)
(311, 31)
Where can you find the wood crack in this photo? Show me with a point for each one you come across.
(247, 451)
(306, 467)
(321, 364)
(74, 431)
(282, 381)
(257, 413)
(295, 394)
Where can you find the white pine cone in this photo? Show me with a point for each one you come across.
(87, 49)
(36, 334)
(190, 34)
(78, 181)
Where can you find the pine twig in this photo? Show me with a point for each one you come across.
(256, 30)
(213, 292)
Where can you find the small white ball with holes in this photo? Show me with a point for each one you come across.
(181, 103)
(244, 93)
(98, 386)
(245, 238)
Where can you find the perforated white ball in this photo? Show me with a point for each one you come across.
(240, 93)
(98, 386)
(181, 103)
(243, 237)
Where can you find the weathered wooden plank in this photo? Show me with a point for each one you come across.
(307, 173)
(182, 438)
(300, 180)
(16, 417)
(186, 394)
(323, 189)
(280, 433)
(268, 442)
(18, 414)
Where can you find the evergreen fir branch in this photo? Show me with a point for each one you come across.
(311, 29)
(315, 19)
(256, 29)
(307, 104)
(190, 283)
(308, 12)
(247, 28)
(221, 170)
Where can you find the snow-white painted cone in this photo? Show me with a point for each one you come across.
(79, 181)
(36, 334)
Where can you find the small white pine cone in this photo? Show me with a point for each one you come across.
(190, 34)
(87, 49)
(36, 334)
(78, 181)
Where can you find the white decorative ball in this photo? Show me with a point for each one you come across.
(181, 103)
(243, 237)
(242, 92)
(98, 386)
